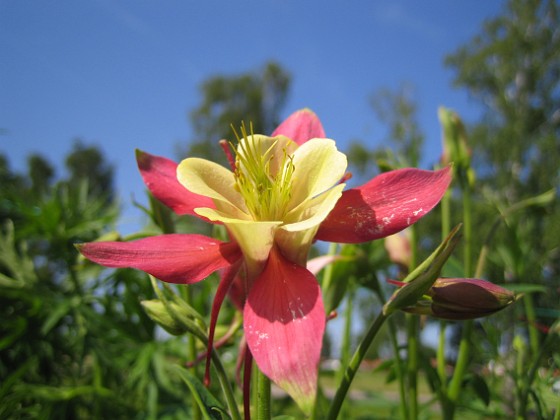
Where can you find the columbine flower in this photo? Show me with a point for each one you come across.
(282, 193)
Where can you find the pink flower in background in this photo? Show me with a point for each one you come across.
(283, 193)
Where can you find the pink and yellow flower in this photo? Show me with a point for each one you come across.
(283, 193)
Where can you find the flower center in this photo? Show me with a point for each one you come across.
(263, 175)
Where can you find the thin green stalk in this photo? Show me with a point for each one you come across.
(353, 366)
(467, 231)
(534, 339)
(226, 386)
(461, 364)
(219, 367)
(412, 327)
(346, 336)
(445, 215)
(403, 406)
(191, 352)
(263, 410)
(465, 343)
(440, 353)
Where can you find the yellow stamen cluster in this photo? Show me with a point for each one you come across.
(266, 193)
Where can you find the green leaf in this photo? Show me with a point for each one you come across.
(480, 388)
(423, 276)
(526, 288)
(59, 311)
(211, 408)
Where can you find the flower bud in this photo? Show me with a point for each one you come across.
(458, 299)
(171, 317)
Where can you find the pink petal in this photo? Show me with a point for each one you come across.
(174, 258)
(318, 263)
(385, 205)
(160, 176)
(301, 126)
(284, 321)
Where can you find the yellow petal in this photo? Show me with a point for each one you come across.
(223, 213)
(296, 238)
(318, 166)
(207, 178)
(312, 211)
(255, 240)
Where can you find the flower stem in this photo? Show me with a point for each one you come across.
(399, 366)
(412, 366)
(191, 351)
(346, 337)
(412, 326)
(399, 370)
(353, 366)
(440, 354)
(534, 339)
(263, 410)
(465, 343)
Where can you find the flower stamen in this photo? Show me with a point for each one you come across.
(266, 190)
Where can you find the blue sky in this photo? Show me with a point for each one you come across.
(125, 74)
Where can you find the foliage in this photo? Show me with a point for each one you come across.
(74, 344)
(512, 68)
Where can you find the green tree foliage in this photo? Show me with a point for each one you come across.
(512, 67)
(253, 97)
(86, 163)
(73, 343)
(396, 109)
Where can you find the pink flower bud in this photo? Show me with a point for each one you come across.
(457, 299)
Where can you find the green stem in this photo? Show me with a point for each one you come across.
(440, 353)
(399, 369)
(465, 343)
(226, 386)
(263, 410)
(191, 351)
(353, 366)
(441, 357)
(467, 230)
(346, 336)
(534, 339)
(445, 215)
(412, 367)
(412, 326)
(461, 365)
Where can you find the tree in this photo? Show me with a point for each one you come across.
(512, 67)
(395, 109)
(87, 164)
